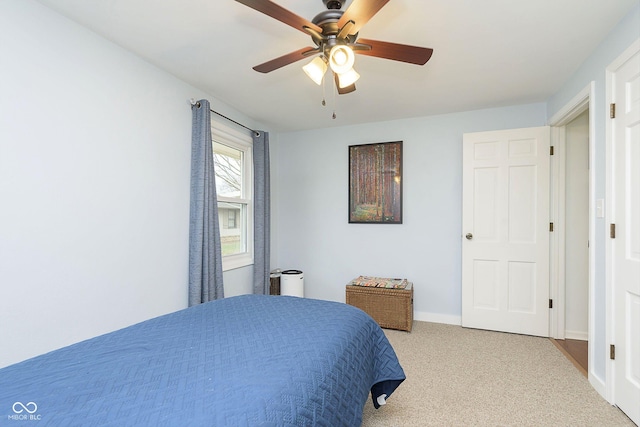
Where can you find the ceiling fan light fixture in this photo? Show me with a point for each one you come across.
(341, 59)
(348, 78)
(335, 35)
(316, 69)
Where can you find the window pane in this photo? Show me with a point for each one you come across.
(228, 169)
(233, 230)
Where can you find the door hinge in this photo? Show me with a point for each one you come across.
(550, 303)
(551, 150)
(612, 110)
(612, 352)
(550, 226)
(612, 231)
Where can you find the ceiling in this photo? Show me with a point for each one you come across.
(487, 53)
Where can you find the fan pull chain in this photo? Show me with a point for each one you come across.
(335, 89)
(324, 103)
(324, 97)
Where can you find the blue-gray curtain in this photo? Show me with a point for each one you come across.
(205, 257)
(262, 213)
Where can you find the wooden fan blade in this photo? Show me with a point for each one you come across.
(397, 52)
(344, 90)
(287, 59)
(360, 11)
(281, 14)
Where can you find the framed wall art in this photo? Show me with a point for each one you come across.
(375, 183)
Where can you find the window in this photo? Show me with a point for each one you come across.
(234, 186)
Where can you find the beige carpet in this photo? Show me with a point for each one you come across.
(466, 377)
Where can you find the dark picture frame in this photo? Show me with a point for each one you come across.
(375, 183)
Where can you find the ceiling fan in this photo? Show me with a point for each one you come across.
(335, 35)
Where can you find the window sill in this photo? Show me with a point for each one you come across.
(232, 262)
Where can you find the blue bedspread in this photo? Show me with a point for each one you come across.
(242, 361)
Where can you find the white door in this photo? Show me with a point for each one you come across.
(625, 247)
(505, 227)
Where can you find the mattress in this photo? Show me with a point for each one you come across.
(250, 360)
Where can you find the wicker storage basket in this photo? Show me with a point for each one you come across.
(391, 308)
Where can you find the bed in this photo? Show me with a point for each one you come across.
(250, 360)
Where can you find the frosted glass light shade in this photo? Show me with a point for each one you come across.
(348, 78)
(341, 59)
(316, 69)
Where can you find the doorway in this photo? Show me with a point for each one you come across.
(572, 270)
(576, 237)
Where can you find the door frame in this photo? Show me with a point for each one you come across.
(584, 100)
(609, 192)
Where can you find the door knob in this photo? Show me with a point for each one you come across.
(469, 236)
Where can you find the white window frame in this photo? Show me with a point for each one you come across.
(242, 141)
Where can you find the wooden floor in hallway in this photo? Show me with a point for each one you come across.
(577, 351)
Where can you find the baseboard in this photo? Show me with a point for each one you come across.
(424, 316)
(447, 319)
(599, 385)
(576, 335)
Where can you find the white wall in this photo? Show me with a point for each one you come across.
(593, 69)
(312, 207)
(94, 184)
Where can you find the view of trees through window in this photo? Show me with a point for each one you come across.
(228, 172)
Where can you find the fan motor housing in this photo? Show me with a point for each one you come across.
(328, 20)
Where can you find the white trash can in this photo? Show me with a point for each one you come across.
(292, 283)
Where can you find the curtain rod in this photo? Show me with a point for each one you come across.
(197, 104)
